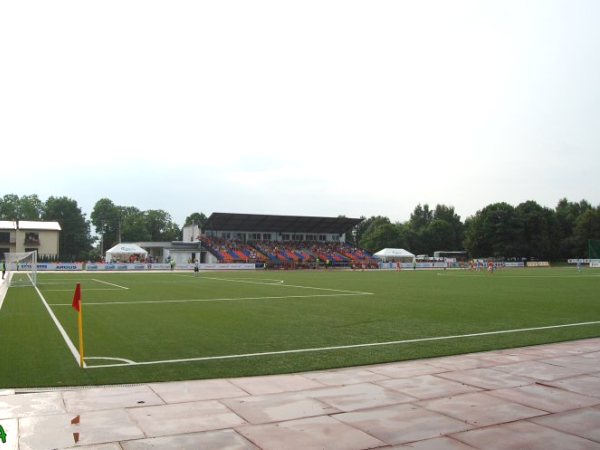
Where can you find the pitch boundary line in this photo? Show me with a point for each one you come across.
(110, 284)
(344, 347)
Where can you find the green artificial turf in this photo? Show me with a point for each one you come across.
(177, 316)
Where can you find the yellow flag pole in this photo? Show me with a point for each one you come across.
(80, 323)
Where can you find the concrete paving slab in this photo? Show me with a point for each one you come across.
(458, 362)
(90, 428)
(275, 384)
(480, 409)
(189, 391)
(184, 418)
(210, 440)
(583, 384)
(406, 369)
(427, 386)
(489, 378)
(583, 422)
(112, 446)
(576, 362)
(539, 370)
(546, 398)
(359, 396)
(97, 399)
(523, 435)
(35, 404)
(345, 376)
(316, 433)
(442, 443)
(399, 424)
(278, 407)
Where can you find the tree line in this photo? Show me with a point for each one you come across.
(499, 230)
(527, 230)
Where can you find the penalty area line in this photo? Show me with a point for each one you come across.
(345, 347)
(111, 284)
(280, 283)
(200, 300)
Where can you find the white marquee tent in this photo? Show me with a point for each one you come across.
(394, 253)
(123, 251)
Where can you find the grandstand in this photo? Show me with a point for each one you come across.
(282, 241)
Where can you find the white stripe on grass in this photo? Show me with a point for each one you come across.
(62, 331)
(345, 347)
(200, 300)
(111, 284)
(279, 283)
(483, 275)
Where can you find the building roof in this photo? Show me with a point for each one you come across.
(284, 224)
(30, 225)
(7, 225)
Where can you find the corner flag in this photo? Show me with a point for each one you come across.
(77, 304)
(77, 298)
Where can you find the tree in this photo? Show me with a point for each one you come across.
(431, 230)
(75, 240)
(587, 227)
(27, 207)
(134, 226)
(196, 218)
(539, 239)
(106, 219)
(438, 235)
(494, 231)
(382, 235)
(567, 214)
(420, 217)
(362, 229)
(161, 226)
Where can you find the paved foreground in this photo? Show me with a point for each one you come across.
(545, 397)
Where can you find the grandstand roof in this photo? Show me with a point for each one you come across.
(286, 224)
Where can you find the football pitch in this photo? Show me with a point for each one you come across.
(141, 327)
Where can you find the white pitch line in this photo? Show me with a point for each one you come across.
(283, 285)
(127, 361)
(86, 290)
(62, 331)
(199, 300)
(489, 276)
(344, 347)
(111, 284)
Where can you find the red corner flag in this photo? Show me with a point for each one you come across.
(77, 298)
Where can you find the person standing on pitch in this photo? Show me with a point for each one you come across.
(196, 267)
(3, 265)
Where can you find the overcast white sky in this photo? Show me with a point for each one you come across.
(304, 108)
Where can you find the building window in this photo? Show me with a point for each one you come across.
(266, 236)
(322, 237)
(285, 237)
(5, 237)
(32, 239)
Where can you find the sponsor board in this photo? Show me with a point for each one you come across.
(409, 265)
(514, 264)
(124, 267)
(582, 261)
(595, 263)
(538, 264)
(48, 266)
